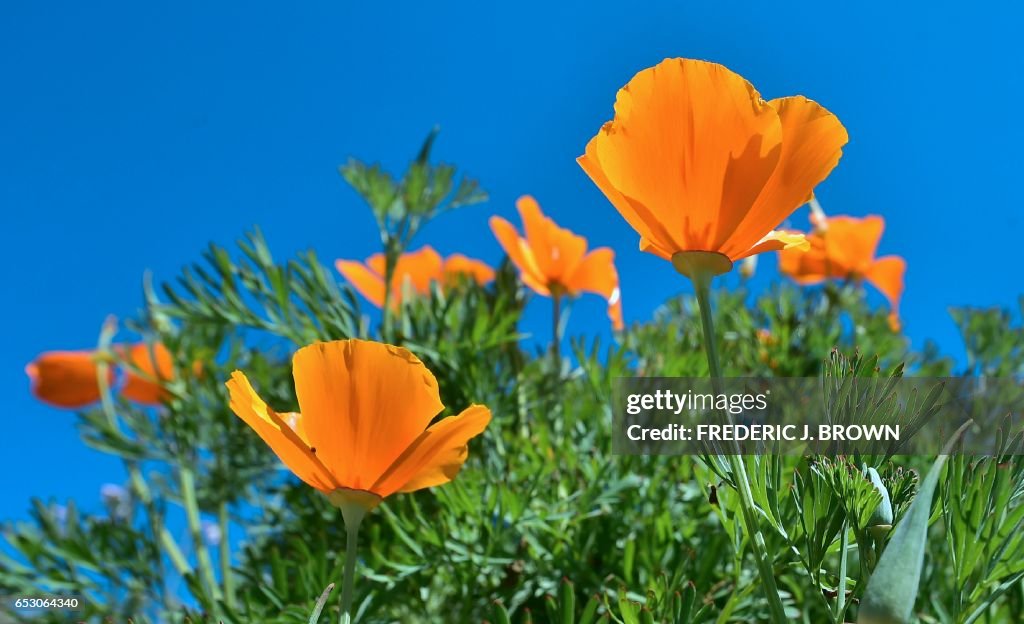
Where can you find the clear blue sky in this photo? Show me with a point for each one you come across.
(132, 134)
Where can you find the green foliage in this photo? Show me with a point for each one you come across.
(892, 590)
(543, 524)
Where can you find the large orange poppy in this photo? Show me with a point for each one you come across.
(361, 433)
(415, 270)
(696, 161)
(553, 261)
(844, 247)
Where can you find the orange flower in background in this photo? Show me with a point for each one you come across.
(695, 160)
(553, 261)
(152, 366)
(361, 433)
(417, 269)
(70, 378)
(66, 378)
(456, 266)
(843, 247)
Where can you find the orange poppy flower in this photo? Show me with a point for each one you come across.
(696, 161)
(457, 265)
(152, 367)
(362, 431)
(69, 378)
(66, 378)
(554, 261)
(844, 247)
(417, 269)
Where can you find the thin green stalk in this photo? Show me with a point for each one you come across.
(227, 577)
(191, 502)
(353, 517)
(139, 488)
(844, 545)
(390, 261)
(556, 330)
(702, 286)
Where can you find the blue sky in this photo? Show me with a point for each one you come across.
(132, 134)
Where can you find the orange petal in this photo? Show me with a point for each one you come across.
(692, 143)
(66, 378)
(152, 365)
(887, 276)
(803, 267)
(519, 253)
(436, 456)
(615, 312)
(362, 403)
(377, 264)
(653, 236)
(367, 281)
(556, 250)
(894, 322)
(597, 274)
(536, 230)
(458, 264)
(418, 269)
(851, 243)
(279, 436)
(651, 248)
(812, 142)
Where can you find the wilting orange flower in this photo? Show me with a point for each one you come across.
(66, 378)
(361, 433)
(152, 367)
(417, 269)
(695, 160)
(844, 247)
(554, 261)
(70, 379)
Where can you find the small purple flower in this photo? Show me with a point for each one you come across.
(211, 533)
(112, 492)
(60, 513)
(117, 500)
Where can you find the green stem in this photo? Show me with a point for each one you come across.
(390, 260)
(139, 488)
(844, 545)
(556, 332)
(195, 528)
(353, 516)
(227, 577)
(702, 286)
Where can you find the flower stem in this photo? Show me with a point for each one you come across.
(556, 331)
(844, 545)
(390, 261)
(139, 488)
(353, 516)
(702, 286)
(227, 576)
(191, 502)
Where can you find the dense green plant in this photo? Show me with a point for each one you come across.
(544, 523)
